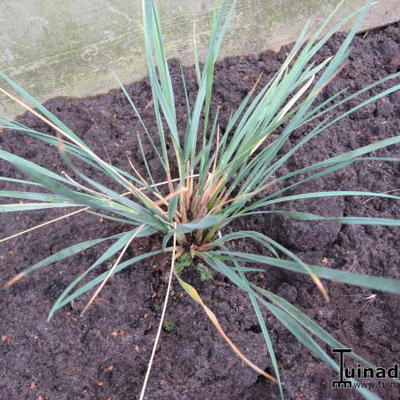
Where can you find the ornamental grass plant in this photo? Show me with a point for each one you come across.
(212, 178)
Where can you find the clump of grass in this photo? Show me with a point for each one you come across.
(221, 176)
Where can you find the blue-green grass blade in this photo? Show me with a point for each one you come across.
(20, 181)
(208, 154)
(268, 341)
(16, 160)
(35, 103)
(248, 269)
(262, 325)
(54, 141)
(282, 160)
(102, 276)
(121, 241)
(137, 113)
(163, 96)
(238, 278)
(329, 71)
(201, 224)
(160, 105)
(268, 242)
(78, 198)
(233, 143)
(246, 172)
(129, 204)
(111, 218)
(303, 216)
(342, 53)
(316, 113)
(196, 56)
(66, 132)
(250, 112)
(143, 214)
(34, 206)
(372, 282)
(146, 164)
(74, 150)
(307, 322)
(185, 91)
(32, 196)
(322, 126)
(68, 147)
(303, 337)
(202, 103)
(104, 190)
(318, 129)
(284, 314)
(244, 235)
(65, 253)
(336, 166)
(172, 207)
(161, 62)
(313, 47)
(314, 195)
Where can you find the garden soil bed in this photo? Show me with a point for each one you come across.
(104, 354)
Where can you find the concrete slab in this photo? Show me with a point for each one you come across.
(68, 48)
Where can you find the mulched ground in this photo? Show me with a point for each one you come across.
(104, 354)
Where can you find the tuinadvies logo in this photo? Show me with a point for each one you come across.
(347, 375)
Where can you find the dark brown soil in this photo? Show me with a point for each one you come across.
(104, 354)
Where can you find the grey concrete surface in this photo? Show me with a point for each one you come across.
(68, 47)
